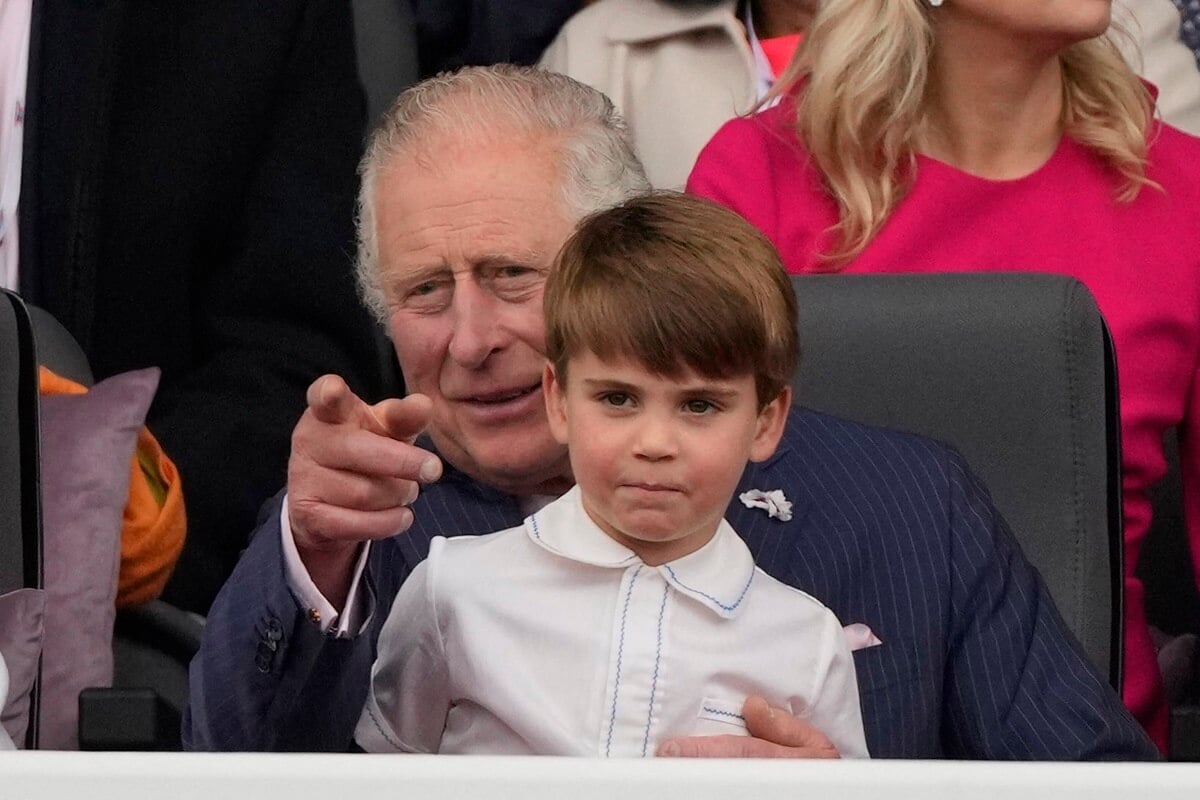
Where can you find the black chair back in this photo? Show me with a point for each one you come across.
(1016, 371)
(20, 494)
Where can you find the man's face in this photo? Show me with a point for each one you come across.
(465, 243)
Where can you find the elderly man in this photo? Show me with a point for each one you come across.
(469, 188)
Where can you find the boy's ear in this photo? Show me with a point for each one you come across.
(771, 422)
(556, 403)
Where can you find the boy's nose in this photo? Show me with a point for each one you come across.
(655, 441)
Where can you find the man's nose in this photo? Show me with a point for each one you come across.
(478, 331)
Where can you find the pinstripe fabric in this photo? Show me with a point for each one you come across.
(888, 529)
(1189, 31)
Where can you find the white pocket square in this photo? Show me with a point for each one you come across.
(860, 637)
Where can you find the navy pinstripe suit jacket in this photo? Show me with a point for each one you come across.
(888, 529)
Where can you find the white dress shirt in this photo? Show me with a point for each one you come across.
(552, 638)
(15, 21)
(6, 742)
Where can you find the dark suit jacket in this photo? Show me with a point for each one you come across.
(456, 33)
(888, 529)
(187, 202)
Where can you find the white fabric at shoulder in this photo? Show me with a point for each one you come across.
(5, 742)
(1156, 52)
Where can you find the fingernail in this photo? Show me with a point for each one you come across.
(670, 749)
(770, 712)
(430, 470)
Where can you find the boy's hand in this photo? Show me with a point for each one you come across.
(774, 733)
(352, 474)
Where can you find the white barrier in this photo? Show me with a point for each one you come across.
(184, 776)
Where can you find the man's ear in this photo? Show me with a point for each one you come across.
(771, 422)
(556, 403)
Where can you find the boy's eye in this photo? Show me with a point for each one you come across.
(699, 406)
(616, 399)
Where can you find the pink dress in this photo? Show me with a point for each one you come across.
(1141, 261)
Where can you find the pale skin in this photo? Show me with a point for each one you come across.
(995, 96)
(658, 457)
(464, 249)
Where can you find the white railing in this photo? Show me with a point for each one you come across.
(183, 776)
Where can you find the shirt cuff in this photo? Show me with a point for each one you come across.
(317, 608)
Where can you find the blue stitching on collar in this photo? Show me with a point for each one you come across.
(612, 718)
(533, 522)
(382, 732)
(657, 660)
(736, 603)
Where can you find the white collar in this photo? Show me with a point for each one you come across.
(762, 67)
(646, 21)
(717, 575)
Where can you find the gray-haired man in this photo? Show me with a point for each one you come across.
(469, 189)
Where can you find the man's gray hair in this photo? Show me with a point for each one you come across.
(598, 165)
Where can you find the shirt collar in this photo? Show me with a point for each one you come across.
(660, 21)
(717, 575)
(764, 75)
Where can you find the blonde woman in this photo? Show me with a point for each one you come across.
(973, 135)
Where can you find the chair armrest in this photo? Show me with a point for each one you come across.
(163, 626)
(1185, 733)
(126, 719)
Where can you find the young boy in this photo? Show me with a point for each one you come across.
(628, 611)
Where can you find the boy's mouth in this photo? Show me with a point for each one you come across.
(653, 487)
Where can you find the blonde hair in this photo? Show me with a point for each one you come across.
(863, 74)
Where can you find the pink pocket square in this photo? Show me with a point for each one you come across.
(860, 636)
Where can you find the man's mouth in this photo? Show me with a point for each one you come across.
(505, 396)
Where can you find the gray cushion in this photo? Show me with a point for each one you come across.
(88, 443)
(22, 618)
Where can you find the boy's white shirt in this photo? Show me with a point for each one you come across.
(552, 638)
(6, 742)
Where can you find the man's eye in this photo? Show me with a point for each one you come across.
(700, 406)
(515, 282)
(616, 399)
(426, 296)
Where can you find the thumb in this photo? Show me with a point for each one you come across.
(331, 400)
(402, 418)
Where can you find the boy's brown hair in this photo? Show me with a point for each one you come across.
(674, 281)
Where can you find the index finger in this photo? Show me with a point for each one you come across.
(778, 726)
(331, 400)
